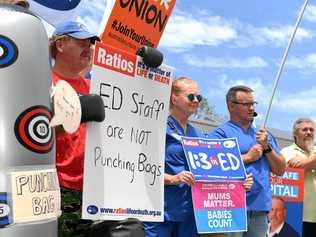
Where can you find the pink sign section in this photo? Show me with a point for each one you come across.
(218, 195)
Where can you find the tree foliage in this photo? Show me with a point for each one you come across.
(206, 112)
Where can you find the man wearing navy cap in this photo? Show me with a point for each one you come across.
(71, 46)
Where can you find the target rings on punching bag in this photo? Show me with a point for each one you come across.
(8, 51)
(32, 129)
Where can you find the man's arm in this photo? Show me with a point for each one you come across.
(300, 162)
(277, 163)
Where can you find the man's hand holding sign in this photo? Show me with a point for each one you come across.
(182, 177)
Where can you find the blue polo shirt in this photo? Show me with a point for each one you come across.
(259, 197)
(178, 199)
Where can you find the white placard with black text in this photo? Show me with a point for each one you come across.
(124, 156)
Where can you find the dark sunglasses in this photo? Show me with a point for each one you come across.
(192, 97)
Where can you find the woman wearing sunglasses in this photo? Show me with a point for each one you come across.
(179, 218)
(178, 209)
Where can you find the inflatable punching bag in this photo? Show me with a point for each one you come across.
(29, 189)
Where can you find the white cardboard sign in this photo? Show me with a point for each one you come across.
(124, 156)
(35, 195)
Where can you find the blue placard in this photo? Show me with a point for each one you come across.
(218, 196)
(214, 159)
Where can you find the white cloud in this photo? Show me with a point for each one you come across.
(310, 13)
(220, 86)
(92, 12)
(303, 62)
(286, 107)
(304, 100)
(225, 62)
(184, 31)
(284, 102)
(275, 36)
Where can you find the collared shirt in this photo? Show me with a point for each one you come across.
(277, 231)
(259, 196)
(178, 199)
(309, 206)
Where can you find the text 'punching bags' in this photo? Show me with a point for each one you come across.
(27, 152)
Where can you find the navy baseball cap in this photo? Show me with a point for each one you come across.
(76, 30)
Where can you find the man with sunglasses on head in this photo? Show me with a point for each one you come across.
(260, 154)
(71, 48)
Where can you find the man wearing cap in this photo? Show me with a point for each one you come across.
(71, 47)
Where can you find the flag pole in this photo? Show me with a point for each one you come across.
(276, 81)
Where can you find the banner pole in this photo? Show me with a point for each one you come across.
(276, 81)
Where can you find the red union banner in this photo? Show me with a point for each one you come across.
(134, 23)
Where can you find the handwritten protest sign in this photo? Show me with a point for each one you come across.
(134, 23)
(124, 157)
(35, 195)
(219, 198)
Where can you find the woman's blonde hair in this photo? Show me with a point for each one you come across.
(177, 84)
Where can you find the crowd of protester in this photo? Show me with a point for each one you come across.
(71, 48)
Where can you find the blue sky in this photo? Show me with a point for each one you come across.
(221, 43)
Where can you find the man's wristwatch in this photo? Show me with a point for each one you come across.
(268, 150)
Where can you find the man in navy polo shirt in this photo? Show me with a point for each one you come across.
(260, 155)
